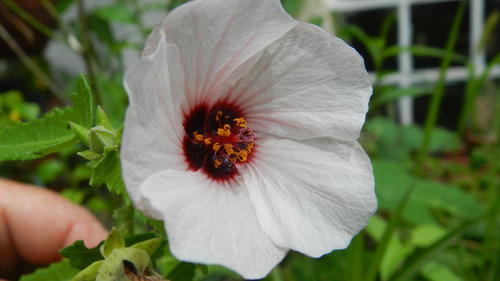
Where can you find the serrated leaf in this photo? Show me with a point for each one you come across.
(24, 141)
(108, 171)
(80, 256)
(61, 271)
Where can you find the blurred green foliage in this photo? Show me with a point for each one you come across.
(438, 217)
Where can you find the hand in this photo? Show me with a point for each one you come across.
(35, 223)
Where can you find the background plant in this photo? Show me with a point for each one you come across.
(438, 188)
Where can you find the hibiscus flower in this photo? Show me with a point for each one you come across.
(241, 135)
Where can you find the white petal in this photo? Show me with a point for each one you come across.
(307, 84)
(211, 223)
(153, 132)
(216, 36)
(311, 197)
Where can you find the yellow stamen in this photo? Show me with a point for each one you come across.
(228, 148)
(224, 132)
(198, 137)
(240, 122)
(249, 146)
(217, 163)
(207, 141)
(216, 147)
(243, 155)
(219, 113)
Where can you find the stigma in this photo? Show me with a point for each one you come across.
(217, 140)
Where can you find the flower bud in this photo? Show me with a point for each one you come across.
(100, 138)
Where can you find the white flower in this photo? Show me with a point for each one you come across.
(241, 135)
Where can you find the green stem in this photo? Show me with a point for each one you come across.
(382, 245)
(422, 258)
(31, 65)
(492, 240)
(430, 122)
(473, 87)
(276, 274)
(47, 4)
(91, 71)
(355, 256)
(32, 21)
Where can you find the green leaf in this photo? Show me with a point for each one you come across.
(435, 271)
(183, 272)
(420, 259)
(80, 256)
(108, 171)
(293, 6)
(62, 5)
(89, 155)
(397, 142)
(102, 29)
(425, 235)
(118, 12)
(113, 241)
(61, 271)
(49, 134)
(138, 238)
(397, 93)
(103, 120)
(81, 132)
(89, 273)
(150, 246)
(392, 178)
(387, 242)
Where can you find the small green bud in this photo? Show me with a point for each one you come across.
(100, 138)
(112, 267)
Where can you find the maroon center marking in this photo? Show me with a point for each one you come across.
(217, 140)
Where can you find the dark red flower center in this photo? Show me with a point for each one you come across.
(217, 140)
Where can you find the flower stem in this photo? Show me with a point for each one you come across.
(355, 257)
(31, 65)
(383, 244)
(492, 241)
(423, 257)
(36, 24)
(430, 122)
(91, 71)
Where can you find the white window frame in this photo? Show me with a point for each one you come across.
(406, 75)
